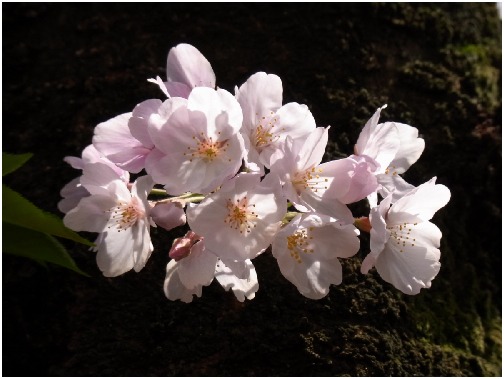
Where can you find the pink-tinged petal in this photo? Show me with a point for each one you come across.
(172, 122)
(307, 250)
(186, 64)
(350, 179)
(139, 122)
(383, 145)
(161, 85)
(239, 225)
(115, 252)
(240, 269)
(97, 177)
(336, 240)
(412, 267)
(325, 205)
(168, 215)
(394, 185)
(173, 287)
(91, 214)
(75, 162)
(292, 120)
(188, 169)
(410, 149)
(71, 193)
(296, 120)
(177, 89)
(379, 233)
(141, 189)
(215, 113)
(419, 204)
(198, 268)
(242, 288)
(113, 139)
(258, 96)
(142, 247)
(313, 149)
(91, 155)
(367, 134)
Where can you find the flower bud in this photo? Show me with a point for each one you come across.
(181, 246)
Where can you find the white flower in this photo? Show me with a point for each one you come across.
(121, 217)
(327, 187)
(73, 191)
(404, 243)
(186, 68)
(127, 148)
(240, 220)
(307, 251)
(194, 266)
(395, 147)
(266, 123)
(197, 140)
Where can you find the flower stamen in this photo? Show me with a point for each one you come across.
(299, 243)
(240, 216)
(125, 215)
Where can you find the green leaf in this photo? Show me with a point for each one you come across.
(11, 162)
(37, 246)
(19, 211)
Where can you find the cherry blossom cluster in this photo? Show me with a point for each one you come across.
(245, 172)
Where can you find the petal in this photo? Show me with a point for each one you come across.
(139, 122)
(186, 64)
(258, 96)
(410, 149)
(97, 178)
(173, 287)
(419, 204)
(411, 268)
(113, 139)
(393, 184)
(115, 252)
(168, 215)
(142, 247)
(72, 193)
(91, 214)
(142, 188)
(242, 288)
(198, 268)
(368, 132)
(170, 115)
(214, 112)
(313, 149)
(161, 85)
(379, 233)
(176, 89)
(307, 249)
(350, 179)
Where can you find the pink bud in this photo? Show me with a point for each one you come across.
(181, 246)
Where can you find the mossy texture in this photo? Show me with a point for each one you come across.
(437, 66)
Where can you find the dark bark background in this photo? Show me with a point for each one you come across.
(438, 66)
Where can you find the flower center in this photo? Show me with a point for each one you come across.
(401, 234)
(391, 170)
(124, 215)
(299, 243)
(206, 148)
(309, 180)
(240, 216)
(264, 133)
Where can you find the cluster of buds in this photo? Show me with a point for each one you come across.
(245, 172)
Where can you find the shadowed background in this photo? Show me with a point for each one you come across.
(67, 68)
